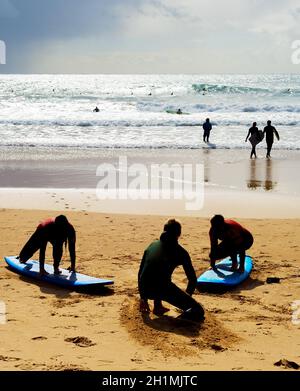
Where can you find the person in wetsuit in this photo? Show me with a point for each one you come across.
(96, 110)
(269, 130)
(155, 275)
(254, 139)
(207, 127)
(58, 231)
(235, 240)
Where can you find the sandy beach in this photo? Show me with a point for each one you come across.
(49, 328)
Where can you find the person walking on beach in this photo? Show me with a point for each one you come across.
(58, 231)
(269, 130)
(207, 127)
(235, 240)
(155, 276)
(255, 138)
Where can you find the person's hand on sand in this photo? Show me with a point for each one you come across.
(144, 307)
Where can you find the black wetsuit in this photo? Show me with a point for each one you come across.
(207, 128)
(270, 130)
(155, 275)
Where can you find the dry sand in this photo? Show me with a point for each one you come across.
(249, 328)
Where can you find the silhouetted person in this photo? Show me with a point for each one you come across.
(58, 231)
(207, 127)
(235, 240)
(255, 139)
(96, 110)
(179, 111)
(155, 275)
(269, 130)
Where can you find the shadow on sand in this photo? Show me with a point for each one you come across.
(249, 284)
(174, 325)
(65, 292)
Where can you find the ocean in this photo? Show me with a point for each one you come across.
(139, 111)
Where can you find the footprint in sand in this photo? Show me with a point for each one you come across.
(6, 358)
(40, 338)
(82, 342)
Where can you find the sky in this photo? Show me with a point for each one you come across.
(149, 36)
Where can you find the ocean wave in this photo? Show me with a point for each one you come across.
(155, 146)
(161, 107)
(229, 89)
(138, 123)
(239, 89)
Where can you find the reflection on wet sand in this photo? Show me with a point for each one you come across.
(206, 153)
(254, 183)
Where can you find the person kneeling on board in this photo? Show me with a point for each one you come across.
(235, 240)
(58, 231)
(154, 278)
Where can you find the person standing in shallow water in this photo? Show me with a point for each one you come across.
(269, 131)
(207, 127)
(155, 276)
(254, 139)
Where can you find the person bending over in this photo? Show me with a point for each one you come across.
(155, 275)
(58, 231)
(235, 240)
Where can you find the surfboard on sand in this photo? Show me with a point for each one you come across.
(223, 276)
(66, 279)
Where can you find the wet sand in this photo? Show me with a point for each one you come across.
(229, 183)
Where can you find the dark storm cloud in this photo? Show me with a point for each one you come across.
(24, 23)
(29, 20)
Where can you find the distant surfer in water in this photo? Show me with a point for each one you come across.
(154, 279)
(58, 231)
(179, 111)
(269, 130)
(255, 138)
(96, 110)
(207, 127)
(235, 240)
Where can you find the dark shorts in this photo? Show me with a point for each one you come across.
(31, 247)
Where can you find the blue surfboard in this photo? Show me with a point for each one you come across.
(223, 276)
(66, 279)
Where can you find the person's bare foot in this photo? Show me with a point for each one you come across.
(57, 271)
(159, 311)
(234, 267)
(241, 270)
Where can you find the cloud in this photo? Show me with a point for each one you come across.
(149, 35)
